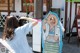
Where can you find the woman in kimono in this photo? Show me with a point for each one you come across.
(52, 34)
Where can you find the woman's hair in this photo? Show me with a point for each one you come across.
(10, 24)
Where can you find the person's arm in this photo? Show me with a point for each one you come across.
(62, 27)
(34, 21)
(28, 26)
(44, 25)
(4, 43)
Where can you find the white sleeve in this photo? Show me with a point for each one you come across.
(26, 27)
(57, 30)
(45, 34)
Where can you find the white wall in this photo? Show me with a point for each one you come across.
(68, 17)
(73, 16)
(57, 3)
(60, 4)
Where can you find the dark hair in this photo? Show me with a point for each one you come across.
(10, 24)
(22, 22)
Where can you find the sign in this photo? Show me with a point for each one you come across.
(72, 0)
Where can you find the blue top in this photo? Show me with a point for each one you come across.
(19, 43)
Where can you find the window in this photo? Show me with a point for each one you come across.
(44, 5)
(27, 5)
(4, 5)
(47, 4)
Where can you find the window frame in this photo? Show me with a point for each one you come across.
(22, 7)
(9, 7)
(48, 3)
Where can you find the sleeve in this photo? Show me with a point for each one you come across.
(57, 30)
(26, 27)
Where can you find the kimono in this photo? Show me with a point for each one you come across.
(50, 45)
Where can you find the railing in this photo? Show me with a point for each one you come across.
(2, 20)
